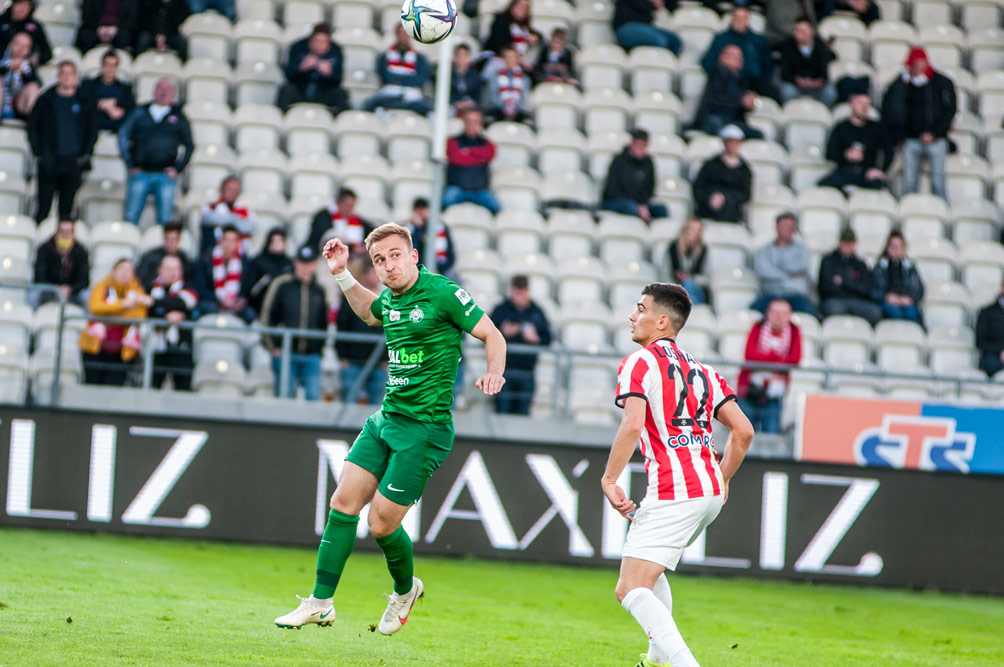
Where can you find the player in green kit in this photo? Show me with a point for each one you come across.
(424, 316)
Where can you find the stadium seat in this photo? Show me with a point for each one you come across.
(313, 174)
(982, 266)
(946, 304)
(991, 89)
(17, 236)
(729, 246)
(691, 81)
(517, 188)
(601, 66)
(676, 194)
(976, 14)
(605, 109)
(307, 129)
(871, 212)
(811, 332)
(13, 375)
(15, 325)
(560, 150)
(767, 203)
(570, 234)
(208, 166)
(935, 258)
(519, 233)
(848, 34)
(111, 241)
(696, 27)
(659, 112)
(943, 42)
(584, 328)
(208, 36)
(602, 147)
(701, 148)
(365, 174)
(256, 83)
(60, 19)
(357, 133)
(668, 152)
(952, 349)
(847, 340)
(857, 381)
(592, 22)
(14, 151)
(210, 122)
(538, 267)
(733, 330)
(806, 122)
(768, 161)
(256, 40)
(514, 144)
(12, 192)
(106, 161)
(821, 209)
(733, 289)
(931, 13)
(652, 69)
(220, 337)
(767, 117)
(967, 177)
(219, 377)
(263, 169)
(257, 126)
(42, 369)
(622, 238)
(408, 137)
(566, 189)
(479, 271)
(986, 49)
(899, 345)
(591, 406)
(410, 179)
(626, 285)
(580, 279)
(556, 105)
(352, 14)
(975, 220)
(889, 41)
(101, 200)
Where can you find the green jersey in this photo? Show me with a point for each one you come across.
(424, 327)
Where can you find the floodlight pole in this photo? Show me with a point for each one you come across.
(441, 114)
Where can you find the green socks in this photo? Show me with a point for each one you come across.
(336, 546)
(400, 557)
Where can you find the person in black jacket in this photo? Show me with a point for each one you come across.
(556, 64)
(295, 300)
(845, 283)
(416, 224)
(804, 65)
(353, 355)
(727, 96)
(160, 27)
(512, 26)
(314, 72)
(62, 133)
(896, 284)
(174, 301)
(522, 322)
(156, 144)
(63, 262)
(465, 83)
(149, 262)
(858, 147)
(271, 263)
(725, 182)
(631, 181)
(20, 17)
(917, 110)
(108, 22)
(633, 24)
(110, 96)
(990, 335)
(686, 255)
(20, 86)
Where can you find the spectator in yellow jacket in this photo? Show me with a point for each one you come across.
(108, 348)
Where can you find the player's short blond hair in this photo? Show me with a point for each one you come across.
(387, 230)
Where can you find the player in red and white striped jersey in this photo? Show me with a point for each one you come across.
(669, 399)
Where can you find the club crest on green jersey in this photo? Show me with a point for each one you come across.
(416, 315)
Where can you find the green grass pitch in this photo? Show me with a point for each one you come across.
(80, 599)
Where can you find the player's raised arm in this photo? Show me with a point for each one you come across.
(485, 331)
(740, 437)
(336, 254)
(628, 434)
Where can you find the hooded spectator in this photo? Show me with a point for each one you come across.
(63, 262)
(631, 181)
(271, 263)
(20, 17)
(990, 335)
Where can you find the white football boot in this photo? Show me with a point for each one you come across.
(311, 610)
(399, 608)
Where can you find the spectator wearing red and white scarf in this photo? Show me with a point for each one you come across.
(221, 274)
(775, 340)
(445, 256)
(225, 211)
(339, 221)
(175, 302)
(403, 72)
(508, 86)
(511, 26)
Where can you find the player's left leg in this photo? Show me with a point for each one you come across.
(634, 591)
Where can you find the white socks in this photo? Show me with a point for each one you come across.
(656, 620)
(662, 592)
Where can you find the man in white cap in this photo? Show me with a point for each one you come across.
(724, 183)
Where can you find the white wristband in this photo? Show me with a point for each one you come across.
(345, 280)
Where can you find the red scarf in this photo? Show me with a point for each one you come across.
(406, 64)
(226, 274)
(349, 230)
(510, 83)
(440, 244)
(520, 38)
(778, 343)
(178, 289)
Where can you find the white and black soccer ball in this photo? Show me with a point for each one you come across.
(429, 21)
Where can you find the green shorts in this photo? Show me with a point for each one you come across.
(402, 453)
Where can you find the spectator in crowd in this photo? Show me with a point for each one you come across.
(314, 72)
(109, 95)
(174, 301)
(403, 72)
(465, 83)
(896, 284)
(521, 322)
(160, 27)
(858, 147)
(775, 340)
(109, 348)
(687, 254)
(468, 155)
(725, 182)
(111, 23)
(727, 96)
(20, 17)
(508, 87)
(783, 268)
(62, 132)
(845, 283)
(445, 255)
(19, 82)
(782, 15)
(150, 261)
(342, 221)
(990, 335)
(556, 63)
(805, 60)
(513, 26)
(296, 301)
(220, 278)
(757, 63)
(634, 25)
(225, 211)
(271, 263)
(917, 110)
(631, 181)
(63, 262)
(353, 355)
(156, 145)
(224, 7)
(866, 11)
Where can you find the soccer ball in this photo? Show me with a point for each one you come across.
(429, 21)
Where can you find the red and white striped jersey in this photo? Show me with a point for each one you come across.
(683, 396)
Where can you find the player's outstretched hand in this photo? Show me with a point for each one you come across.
(620, 502)
(336, 254)
(490, 383)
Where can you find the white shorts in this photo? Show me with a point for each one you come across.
(662, 529)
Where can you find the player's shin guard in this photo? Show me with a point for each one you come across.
(665, 596)
(336, 546)
(657, 622)
(400, 555)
